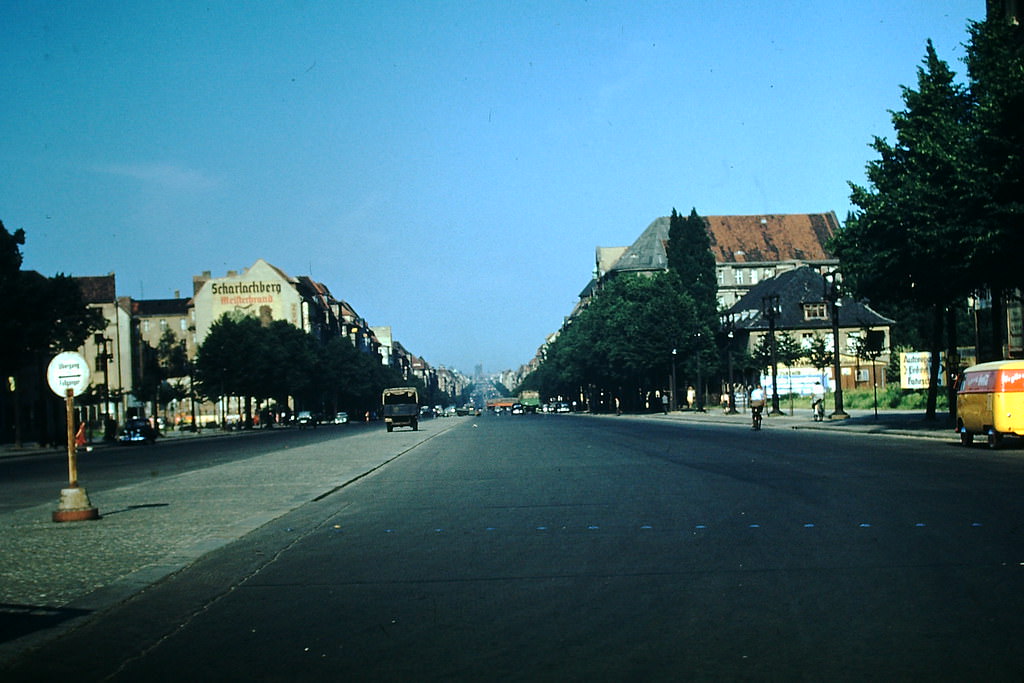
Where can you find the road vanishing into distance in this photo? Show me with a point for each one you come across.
(572, 548)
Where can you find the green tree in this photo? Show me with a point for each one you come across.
(995, 67)
(39, 316)
(689, 256)
(908, 238)
(621, 345)
(819, 355)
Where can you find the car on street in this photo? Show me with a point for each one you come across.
(305, 418)
(341, 418)
(137, 430)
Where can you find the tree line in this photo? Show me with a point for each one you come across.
(265, 365)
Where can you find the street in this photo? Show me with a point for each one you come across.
(599, 548)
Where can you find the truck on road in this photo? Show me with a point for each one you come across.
(401, 407)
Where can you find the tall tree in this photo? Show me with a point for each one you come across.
(909, 236)
(690, 258)
(995, 66)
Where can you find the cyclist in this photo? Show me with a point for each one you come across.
(818, 402)
(756, 405)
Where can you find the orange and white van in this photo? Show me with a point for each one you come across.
(990, 401)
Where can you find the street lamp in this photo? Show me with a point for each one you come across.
(833, 280)
(673, 387)
(770, 309)
(729, 321)
(700, 391)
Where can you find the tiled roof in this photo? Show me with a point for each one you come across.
(740, 239)
(785, 237)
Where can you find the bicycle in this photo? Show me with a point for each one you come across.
(755, 415)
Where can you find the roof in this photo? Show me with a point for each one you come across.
(97, 289)
(795, 288)
(160, 306)
(738, 239)
(782, 237)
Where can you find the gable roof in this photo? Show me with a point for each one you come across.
(739, 239)
(803, 285)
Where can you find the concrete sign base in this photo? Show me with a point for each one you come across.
(74, 506)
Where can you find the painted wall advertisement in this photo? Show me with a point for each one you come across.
(259, 299)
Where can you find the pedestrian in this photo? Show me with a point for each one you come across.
(664, 403)
(80, 435)
(691, 397)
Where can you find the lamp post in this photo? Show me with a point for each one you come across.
(770, 309)
(729, 321)
(675, 405)
(700, 391)
(833, 279)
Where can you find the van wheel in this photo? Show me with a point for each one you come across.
(966, 438)
(995, 439)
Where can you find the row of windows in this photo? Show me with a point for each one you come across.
(164, 325)
(741, 276)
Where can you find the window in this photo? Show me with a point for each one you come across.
(738, 276)
(163, 326)
(863, 375)
(184, 325)
(815, 311)
(753, 276)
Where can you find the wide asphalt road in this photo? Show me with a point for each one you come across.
(577, 548)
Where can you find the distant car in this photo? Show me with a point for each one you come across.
(137, 430)
(517, 409)
(562, 408)
(341, 418)
(305, 419)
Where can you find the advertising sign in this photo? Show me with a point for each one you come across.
(915, 370)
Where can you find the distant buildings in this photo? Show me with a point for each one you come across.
(756, 257)
(135, 328)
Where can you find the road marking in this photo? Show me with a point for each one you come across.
(695, 527)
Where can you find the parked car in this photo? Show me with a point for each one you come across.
(341, 418)
(137, 430)
(305, 418)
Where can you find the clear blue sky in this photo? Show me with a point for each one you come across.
(446, 167)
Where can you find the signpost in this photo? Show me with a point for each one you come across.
(68, 376)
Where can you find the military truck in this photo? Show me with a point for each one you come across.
(401, 407)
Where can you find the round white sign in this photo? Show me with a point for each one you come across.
(68, 370)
